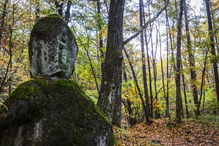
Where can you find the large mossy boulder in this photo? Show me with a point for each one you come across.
(52, 48)
(53, 112)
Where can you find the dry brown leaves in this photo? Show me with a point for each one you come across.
(164, 132)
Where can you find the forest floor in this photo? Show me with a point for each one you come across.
(163, 132)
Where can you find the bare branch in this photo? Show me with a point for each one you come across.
(146, 24)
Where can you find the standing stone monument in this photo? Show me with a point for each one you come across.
(52, 49)
(52, 110)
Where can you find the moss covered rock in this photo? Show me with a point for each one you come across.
(52, 48)
(53, 112)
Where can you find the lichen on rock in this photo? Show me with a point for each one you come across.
(52, 48)
(53, 112)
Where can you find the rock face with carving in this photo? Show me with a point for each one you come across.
(52, 49)
(49, 110)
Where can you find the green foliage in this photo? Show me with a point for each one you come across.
(93, 94)
(3, 107)
(207, 119)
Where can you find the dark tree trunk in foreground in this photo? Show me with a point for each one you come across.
(178, 64)
(191, 60)
(212, 49)
(110, 93)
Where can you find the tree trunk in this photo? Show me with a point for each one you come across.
(129, 104)
(212, 49)
(179, 111)
(3, 19)
(146, 110)
(157, 110)
(191, 60)
(143, 64)
(59, 7)
(67, 12)
(167, 95)
(161, 60)
(202, 84)
(149, 71)
(110, 93)
(37, 11)
(184, 91)
(100, 34)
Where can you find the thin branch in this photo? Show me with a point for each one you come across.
(92, 68)
(146, 24)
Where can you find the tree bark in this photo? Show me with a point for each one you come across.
(212, 49)
(100, 33)
(37, 11)
(167, 95)
(162, 70)
(59, 7)
(143, 64)
(67, 12)
(202, 84)
(110, 93)
(191, 59)
(184, 91)
(179, 111)
(149, 71)
(3, 19)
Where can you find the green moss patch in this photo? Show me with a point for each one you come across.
(68, 116)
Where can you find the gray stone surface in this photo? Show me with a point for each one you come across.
(53, 112)
(52, 49)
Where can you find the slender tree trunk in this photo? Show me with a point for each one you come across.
(204, 98)
(91, 65)
(163, 82)
(179, 110)
(129, 104)
(215, 33)
(10, 48)
(143, 63)
(191, 60)
(37, 11)
(202, 83)
(149, 71)
(10, 63)
(67, 12)
(110, 93)
(212, 49)
(167, 95)
(59, 7)
(99, 23)
(146, 25)
(3, 18)
(184, 91)
(157, 111)
(145, 107)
